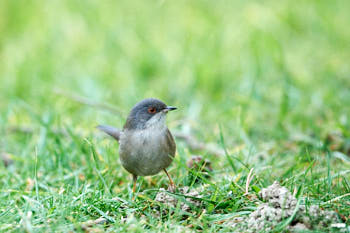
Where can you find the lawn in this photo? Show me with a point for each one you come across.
(262, 86)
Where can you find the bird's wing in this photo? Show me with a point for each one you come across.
(171, 143)
(114, 132)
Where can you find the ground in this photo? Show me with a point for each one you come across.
(262, 88)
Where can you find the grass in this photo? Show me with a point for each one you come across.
(268, 81)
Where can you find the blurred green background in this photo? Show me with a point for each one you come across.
(266, 63)
(268, 73)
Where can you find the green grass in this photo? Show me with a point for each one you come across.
(268, 80)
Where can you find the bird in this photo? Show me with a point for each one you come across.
(146, 145)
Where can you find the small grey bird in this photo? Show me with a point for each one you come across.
(146, 145)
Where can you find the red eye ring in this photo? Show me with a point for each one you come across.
(152, 110)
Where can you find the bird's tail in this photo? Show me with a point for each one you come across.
(114, 132)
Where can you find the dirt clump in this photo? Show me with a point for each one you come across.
(187, 203)
(280, 208)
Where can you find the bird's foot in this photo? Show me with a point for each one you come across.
(172, 188)
(133, 196)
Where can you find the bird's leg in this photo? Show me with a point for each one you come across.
(134, 179)
(172, 185)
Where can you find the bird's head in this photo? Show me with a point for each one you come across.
(148, 113)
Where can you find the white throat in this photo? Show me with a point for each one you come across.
(157, 122)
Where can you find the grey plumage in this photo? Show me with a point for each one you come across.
(114, 132)
(139, 115)
(146, 145)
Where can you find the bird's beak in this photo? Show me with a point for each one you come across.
(169, 108)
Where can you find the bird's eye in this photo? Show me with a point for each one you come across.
(152, 110)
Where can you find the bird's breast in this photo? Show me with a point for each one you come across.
(145, 152)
